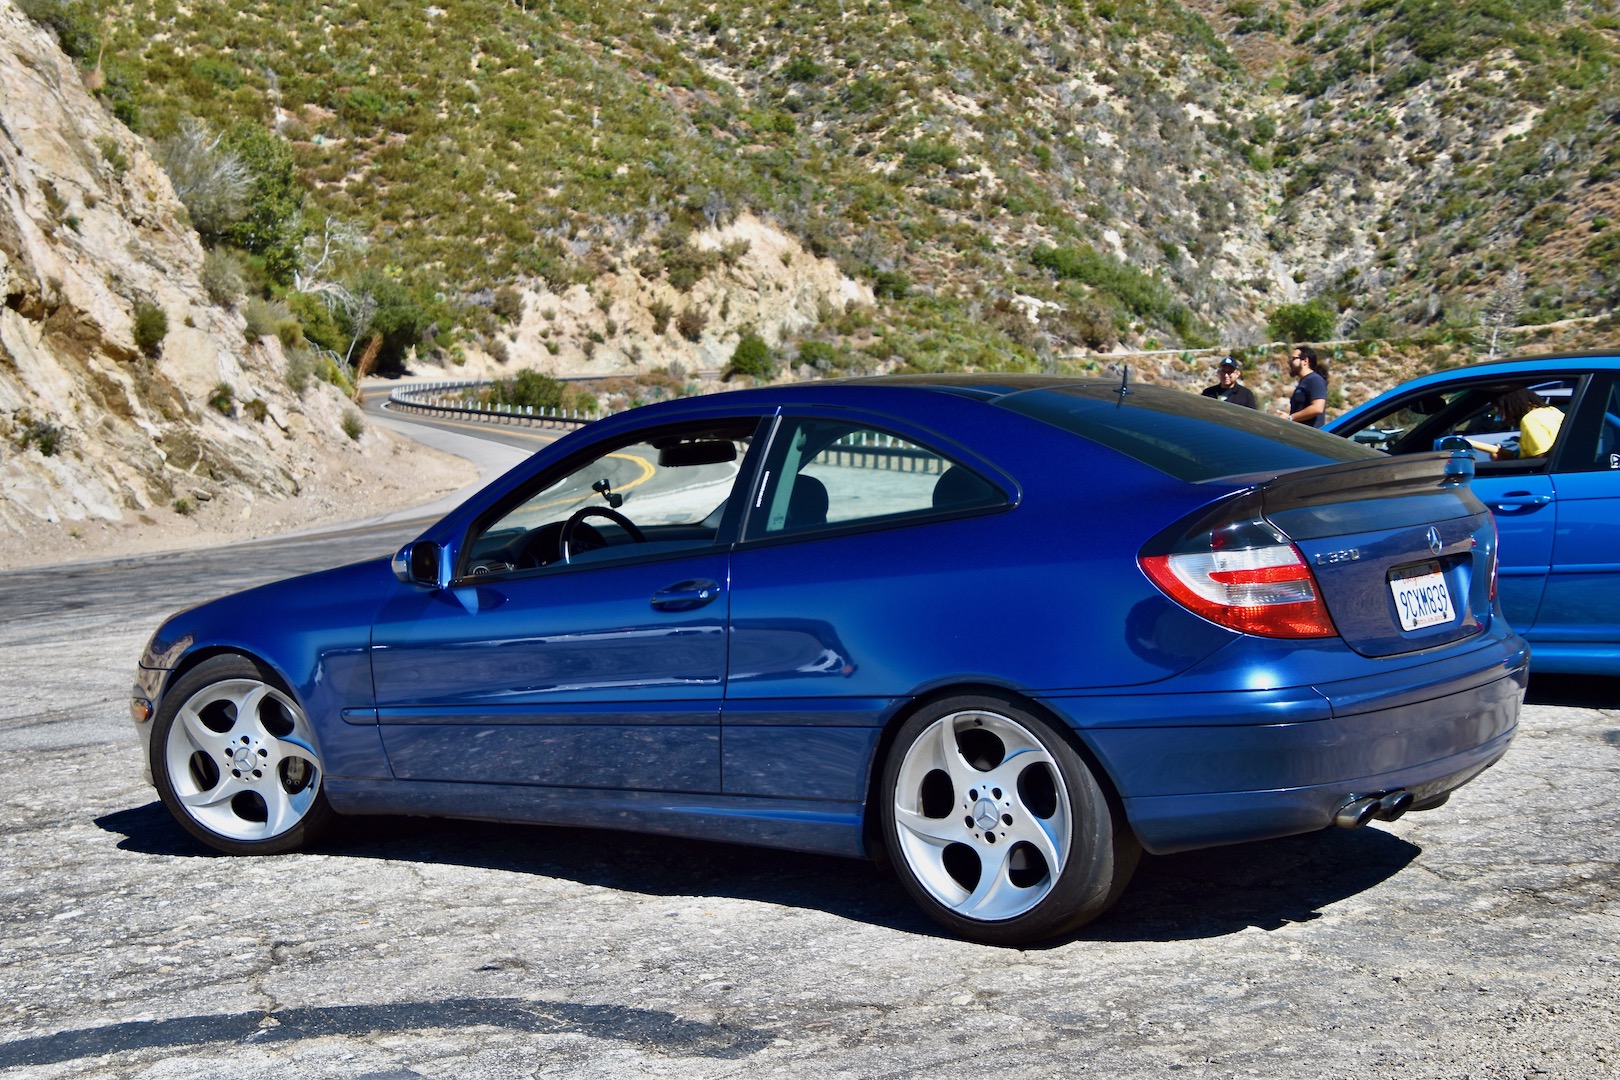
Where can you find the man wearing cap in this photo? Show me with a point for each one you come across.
(1227, 388)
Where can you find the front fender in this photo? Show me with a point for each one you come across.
(313, 632)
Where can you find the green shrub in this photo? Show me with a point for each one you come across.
(151, 327)
(891, 283)
(821, 355)
(802, 69)
(1143, 295)
(318, 323)
(209, 179)
(1311, 321)
(925, 152)
(399, 316)
(301, 367)
(353, 424)
(661, 313)
(528, 389)
(272, 224)
(222, 277)
(752, 357)
(690, 323)
(223, 399)
(508, 304)
(686, 265)
(261, 317)
(73, 22)
(42, 435)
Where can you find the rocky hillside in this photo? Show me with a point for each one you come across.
(651, 191)
(1012, 183)
(126, 394)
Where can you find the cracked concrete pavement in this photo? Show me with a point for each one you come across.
(1481, 939)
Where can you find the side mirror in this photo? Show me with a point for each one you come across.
(422, 563)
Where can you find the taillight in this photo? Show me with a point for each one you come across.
(1240, 573)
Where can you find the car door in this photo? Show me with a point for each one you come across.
(582, 639)
(1522, 492)
(1580, 609)
(822, 597)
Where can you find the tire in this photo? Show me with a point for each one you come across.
(996, 826)
(234, 760)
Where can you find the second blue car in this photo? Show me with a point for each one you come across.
(1546, 436)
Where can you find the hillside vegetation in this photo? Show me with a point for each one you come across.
(984, 184)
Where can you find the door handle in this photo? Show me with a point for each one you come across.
(686, 595)
(1520, 500)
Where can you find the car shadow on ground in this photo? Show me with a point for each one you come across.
(1175, 897)
(1574, 691)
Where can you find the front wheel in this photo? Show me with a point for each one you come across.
(997, 827)
(234, 760)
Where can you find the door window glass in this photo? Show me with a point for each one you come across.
(835, 473)
(1502, 421)
(1608, 441)
(666, 493)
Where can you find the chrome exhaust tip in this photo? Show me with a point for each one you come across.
(1393, 805)
(1356, 811)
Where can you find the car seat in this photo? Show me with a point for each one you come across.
(807, 506)
(957, 487)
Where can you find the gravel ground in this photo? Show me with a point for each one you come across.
(1481, 939)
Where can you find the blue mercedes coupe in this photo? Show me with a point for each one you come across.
(1553, 485)
(1003, 632)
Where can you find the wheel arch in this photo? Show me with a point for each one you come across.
(871, 831)
(195, 659)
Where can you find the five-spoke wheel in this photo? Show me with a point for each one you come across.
(234, 760)
(997, 827)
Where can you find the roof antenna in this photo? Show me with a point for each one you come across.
(1124, 381)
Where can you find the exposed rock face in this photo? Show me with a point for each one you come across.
(91, 427)
(775, 288)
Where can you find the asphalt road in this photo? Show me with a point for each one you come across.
(1481, 939)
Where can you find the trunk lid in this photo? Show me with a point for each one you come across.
(1402, 550)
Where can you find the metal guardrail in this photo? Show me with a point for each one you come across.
(876, 450)
(861, 450)
(450, 399)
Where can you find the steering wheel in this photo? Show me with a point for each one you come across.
(565, 542)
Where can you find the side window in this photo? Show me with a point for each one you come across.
(667, 493)
(1518, 422)
(834, 473)
(1389, 431)
(1513, 421)
(1606, 456)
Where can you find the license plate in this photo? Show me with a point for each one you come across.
(1421, 597)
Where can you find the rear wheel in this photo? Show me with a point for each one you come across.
(234, 760)
(997, 827)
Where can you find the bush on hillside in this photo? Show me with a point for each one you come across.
(151, 327)
(752, 357)
(1310, 321)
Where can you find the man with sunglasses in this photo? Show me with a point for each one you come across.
(1308, 405)
(1227, 388)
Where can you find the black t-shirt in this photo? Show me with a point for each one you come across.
(1237, 395)
(1311, 388)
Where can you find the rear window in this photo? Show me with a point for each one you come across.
(1188, 436)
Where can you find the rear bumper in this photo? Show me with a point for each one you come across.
(1257, 764)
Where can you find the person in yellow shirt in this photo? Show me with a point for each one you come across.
(1538, 425)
